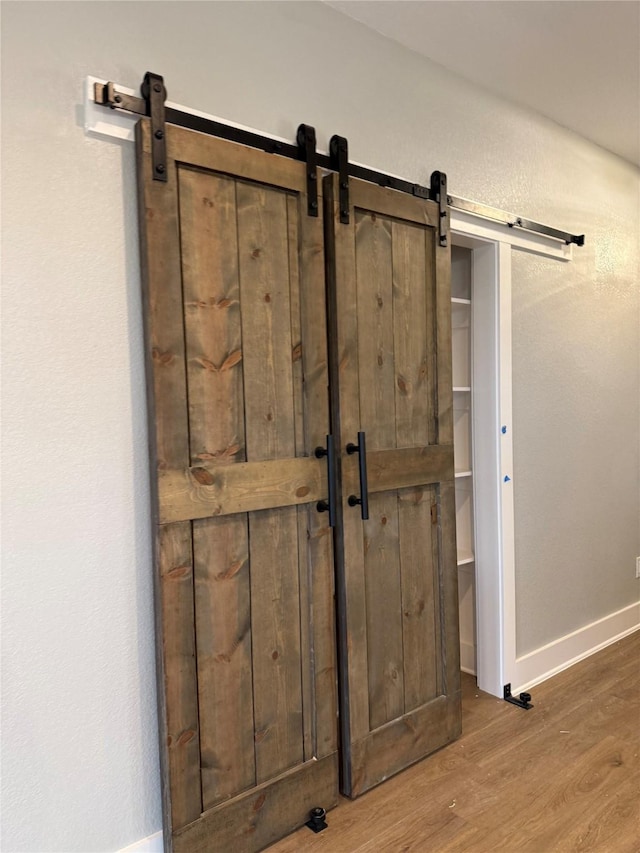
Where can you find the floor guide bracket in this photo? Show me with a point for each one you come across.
(317, 820)
(524, 700)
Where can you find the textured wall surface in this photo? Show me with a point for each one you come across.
(80, 760)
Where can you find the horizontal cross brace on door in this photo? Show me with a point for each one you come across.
(111, 96)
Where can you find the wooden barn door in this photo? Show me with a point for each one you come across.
(233, 271)
(397, 577)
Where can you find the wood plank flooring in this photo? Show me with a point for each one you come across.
(561, 778)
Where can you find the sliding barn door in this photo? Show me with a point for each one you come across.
(392, 418)
(233, 270)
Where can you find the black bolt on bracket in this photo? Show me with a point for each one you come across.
(306, 139)
(317, 820)
(439, 195)
(523, 702)
(339, 154)
(154, 93)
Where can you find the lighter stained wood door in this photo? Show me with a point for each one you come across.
(233, 272)
(390, 334)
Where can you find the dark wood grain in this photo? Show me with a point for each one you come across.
(213, 335)
(209, 490)
(376, 381)
(169, 447)
(320, 686)
(387, 282)
(345, 423)
(236, 339)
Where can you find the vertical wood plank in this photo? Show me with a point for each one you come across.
(323, 629)
(316, 539)
(442, 255)
(415, 426)
(448, 580)
(431, 334)
(224, 657)
(376, 371)
(271, 434)
(411, 284)
(276, 641)
(384, 610)
(216, 432)
(447, 559)
(304, 564)
(162, 292)
(420, 605)
(212, 317)
(175, 568)
(173, 575)
(295, 308)
(439, 610)
(266, 322)
(345, 422)
(374, 288)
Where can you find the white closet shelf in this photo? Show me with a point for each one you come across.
(465, 557)
(459, 300)
(464, 473)
(461, 388)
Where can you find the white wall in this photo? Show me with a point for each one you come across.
(80, 761)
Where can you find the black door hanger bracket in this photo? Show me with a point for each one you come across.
(155, 94)
(439, 195)
(339, 154)
(306, 138)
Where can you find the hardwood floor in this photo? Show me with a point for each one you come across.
(564, 776)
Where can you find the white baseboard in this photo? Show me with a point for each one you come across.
(151, 844)
(542, 663)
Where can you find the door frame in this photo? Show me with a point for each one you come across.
(491, 244)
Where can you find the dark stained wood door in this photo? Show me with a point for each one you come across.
(234, 279)
(390, 335)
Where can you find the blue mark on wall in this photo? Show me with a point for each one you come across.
(507, 479)
(504, 430)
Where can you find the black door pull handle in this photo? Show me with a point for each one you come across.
(330, 505)
(353, 500)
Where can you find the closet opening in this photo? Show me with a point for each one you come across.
(482, 444)
(461, 310)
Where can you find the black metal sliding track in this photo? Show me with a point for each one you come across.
(107, 95)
